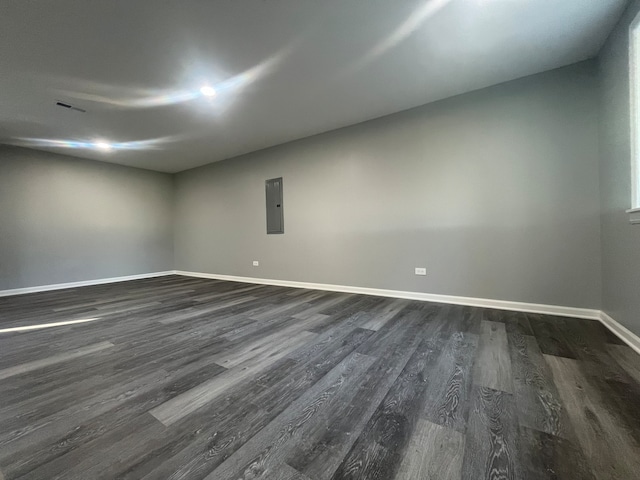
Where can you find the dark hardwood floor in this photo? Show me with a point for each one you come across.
(185, 378)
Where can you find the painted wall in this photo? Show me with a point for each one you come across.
(495, 192)
(620, 240)
(64, 219)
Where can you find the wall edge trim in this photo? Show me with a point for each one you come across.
(626, 335)
(83, 283)
(427, 297)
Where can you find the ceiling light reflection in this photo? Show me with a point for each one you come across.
(104, 146)
(150, 144)
(208, 91)
(404, 30)
(135, 98)
(210, 85)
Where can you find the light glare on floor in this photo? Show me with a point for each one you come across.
(46, 325)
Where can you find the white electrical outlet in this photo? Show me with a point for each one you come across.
(256, 263)
(421, 271)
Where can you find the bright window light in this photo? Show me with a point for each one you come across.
(634, 70)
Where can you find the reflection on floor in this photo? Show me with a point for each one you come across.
(191, 378)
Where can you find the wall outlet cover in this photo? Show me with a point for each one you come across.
(256, 263)
(421, 271)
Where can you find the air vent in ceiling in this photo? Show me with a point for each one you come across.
(70, 107)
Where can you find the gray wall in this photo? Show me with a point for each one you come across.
(495, 192)
(620, 240)
(65, 220)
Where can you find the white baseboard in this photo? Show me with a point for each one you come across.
(426, 297)
(626, 335)
(84, 283)
(590, 314)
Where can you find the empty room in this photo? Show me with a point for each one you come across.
(320, 240)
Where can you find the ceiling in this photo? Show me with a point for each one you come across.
(280, 69)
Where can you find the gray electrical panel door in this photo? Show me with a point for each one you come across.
(275, 216)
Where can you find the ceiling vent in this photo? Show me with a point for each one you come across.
(70, 107)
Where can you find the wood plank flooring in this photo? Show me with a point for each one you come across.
(185, 378)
